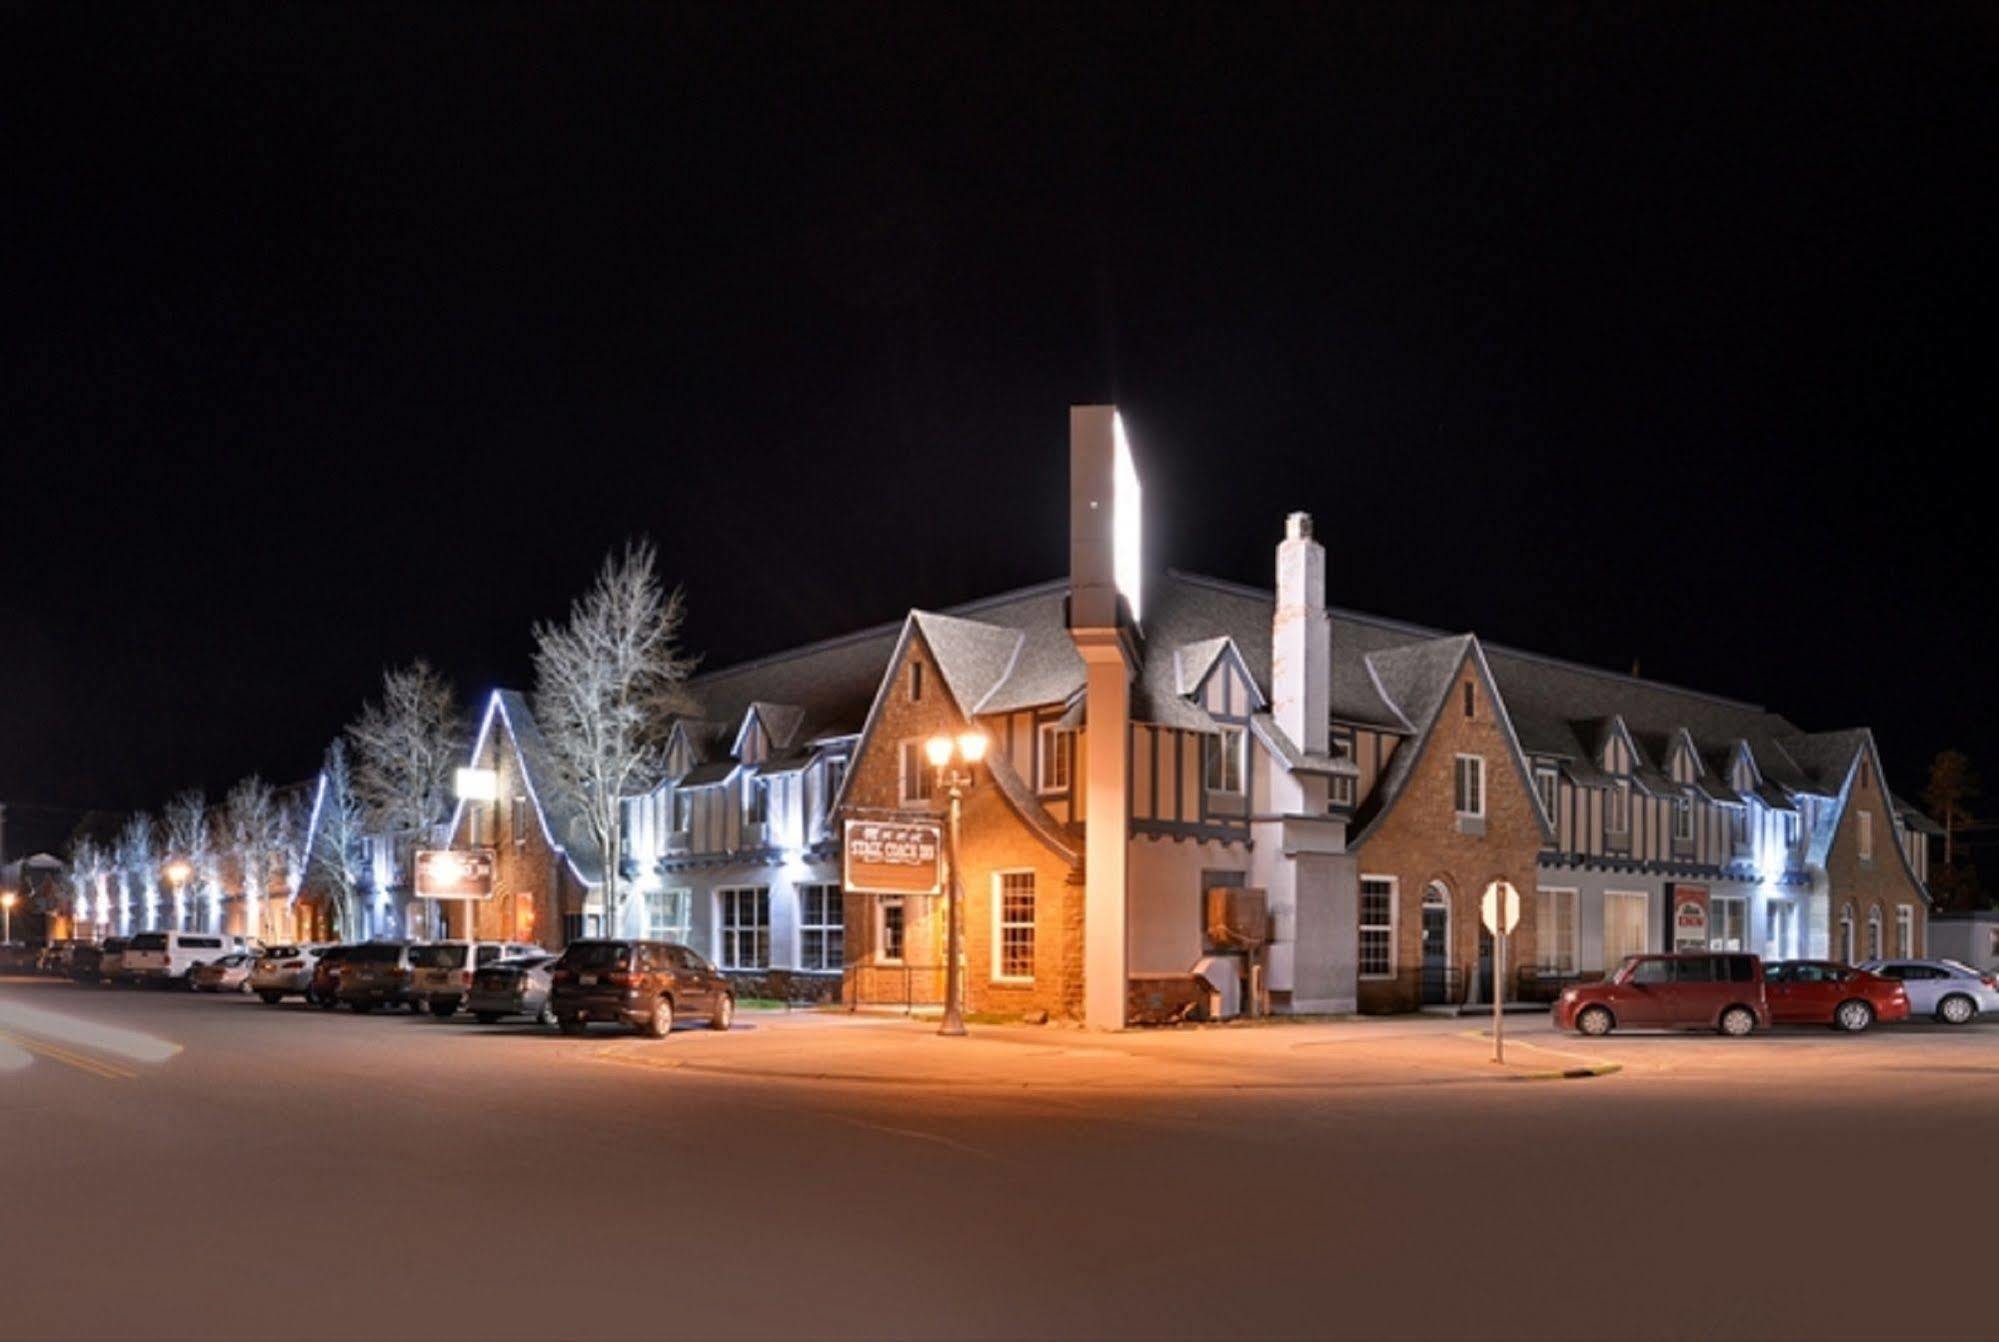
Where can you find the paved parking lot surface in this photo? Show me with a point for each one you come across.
(189, 1166)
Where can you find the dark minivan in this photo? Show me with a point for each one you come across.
(1720, 991)
(377, 973)
(644, 984)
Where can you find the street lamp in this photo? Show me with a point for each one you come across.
(177, 874)
(954, 759)
(7, 898)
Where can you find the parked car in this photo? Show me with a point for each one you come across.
(16, 957)
(324, 991)
(443, 970)
(284, 971)
(1824, 992)
(1720, 991)
(1949, 990)
(521, 986)
(85, 962)
(645, 984)
(377, 973)
(55, 957)
(230, 974)
(169, 957)
(111, 961)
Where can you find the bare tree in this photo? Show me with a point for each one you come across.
(189, 844)
(255, 837)
(1951, 789)
(139, 866)
(88, 866)
(606, 685)
(406, 746)
(333, 859)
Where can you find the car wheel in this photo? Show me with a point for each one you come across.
(272, 999)
(1957, 1009)
(1595, 1021)
(246, 989)
(660, 1023)
(443, 1010)
(1738, 1021)
(547, 1016)
(570, 1026)
(1853, 1017)
(327, 1003)
(725, 1013)
(486, 1017)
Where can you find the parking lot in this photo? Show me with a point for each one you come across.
(191, 1165)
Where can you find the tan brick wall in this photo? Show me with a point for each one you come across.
(1418, 842)
(994, 839)
(531, 883)
(1880, 885)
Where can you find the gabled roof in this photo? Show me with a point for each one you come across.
(562, 822)
(1192, 663)
(971, 656)
(780, 724)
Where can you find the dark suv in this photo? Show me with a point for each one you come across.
(645, 984)
(1720, 991)
(377, 973)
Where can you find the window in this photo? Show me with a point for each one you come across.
(915, 773)
(683, 811)
(915, 682)
(1471, 699)
(756, 801)
(836, 773)
(1728, 923)
(1619, 819)
(1846, 934)
(1683, 820)
(1627, 925)
(1653, 971)
(1544, 783)
(1339, 790)
(519, 822)
(1223, 763)
(1058, 745)
(891, 924)
(1874, 934)
(745, 927)
(1905, 930)
(1738, 827)
(668, 914)
(822, 928)
(1377, 927)
(1470, 785)
(1864, 828)
(1555, 928)
(1013, 926)
(1790, 829)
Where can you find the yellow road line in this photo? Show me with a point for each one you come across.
(82, 1062)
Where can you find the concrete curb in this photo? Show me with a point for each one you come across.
(1570, 1073)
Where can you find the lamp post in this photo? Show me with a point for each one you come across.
(177, 874)
(954, 759)
(7, 898)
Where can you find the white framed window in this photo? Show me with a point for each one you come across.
(1738, 827)
(1846, 934)
(834, 772)
(683, 810)
(1340, 789)
(1874, 947)
(891, 929)
(1617, 819)
(1013, 926)
(669, 915)
(1555, 930)
(1224, 759)
(1728, 923)
(1627, 925)
(1790, 829)
(1863, 822)
(1545, 784)
(1470, 785)
(1377, 927)
(1905, 931)
(914, 773)
(1057, 751)
(822, 927)
(756, 801)
(1683, 819)
(743, 930)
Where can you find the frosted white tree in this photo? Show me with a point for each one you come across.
(189, 847)
(333, 861)
(139, 870)
(88, 867)
(607, 683)
(255, 836)
(406, 746)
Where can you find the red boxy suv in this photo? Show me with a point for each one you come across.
(1705, 990)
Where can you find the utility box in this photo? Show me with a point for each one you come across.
(1238, 919)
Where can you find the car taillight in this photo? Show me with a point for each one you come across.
(620, 979)
(562, 976)
(293, 964)
(399, 973)
(464, 978)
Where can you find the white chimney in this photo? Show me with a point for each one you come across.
(1301, 641)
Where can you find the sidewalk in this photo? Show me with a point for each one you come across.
(840, 1049)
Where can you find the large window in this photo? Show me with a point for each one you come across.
(1905, 931)
(1555, 930)
(669, 915)
(1627, 925)
(915, 773)
(891, 928)
(1470, 793)
(1544, 783)
(1224, 760)
(1728, 923)
(1377, 927)
(1058, 746)
(821, 928)
(744, 927)
(1013, 926)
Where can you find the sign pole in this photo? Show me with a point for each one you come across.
(1498, 994)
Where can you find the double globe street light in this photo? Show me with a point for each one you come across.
(956, 759)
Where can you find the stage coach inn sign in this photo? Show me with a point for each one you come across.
(893, 858)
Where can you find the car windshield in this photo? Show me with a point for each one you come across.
(597, 955)
(149, 941)
(438, 957)
(377, 953)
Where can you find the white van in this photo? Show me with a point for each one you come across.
(167, 957)
(444, 969)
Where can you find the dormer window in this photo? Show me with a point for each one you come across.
(1224, 760)
(1057, 749)
(1544, 783)
(756, 801)
(1619, 819)
(1683, 820)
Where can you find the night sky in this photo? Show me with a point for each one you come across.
(336, 335)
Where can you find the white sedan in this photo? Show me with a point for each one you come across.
(1949, 990)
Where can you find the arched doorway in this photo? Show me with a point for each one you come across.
(1846, 934)
(1436, 980)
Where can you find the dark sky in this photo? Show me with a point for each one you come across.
(335, 335)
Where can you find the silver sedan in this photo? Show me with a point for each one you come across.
(1949, 990)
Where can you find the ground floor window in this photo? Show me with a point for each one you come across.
(1846, 934)
(1555, 930)
(1728, 923)
(1905, 932)
(821, 928)
(1013, 926)
(744, 927)
(891, 928)
(1377, 926)
(1874, 934)
(1626, 926)
(669, 915)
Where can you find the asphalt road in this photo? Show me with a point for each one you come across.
(298, 1174)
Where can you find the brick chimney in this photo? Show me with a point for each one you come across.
(1301, 641)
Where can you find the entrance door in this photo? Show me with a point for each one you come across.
(1436, 947)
